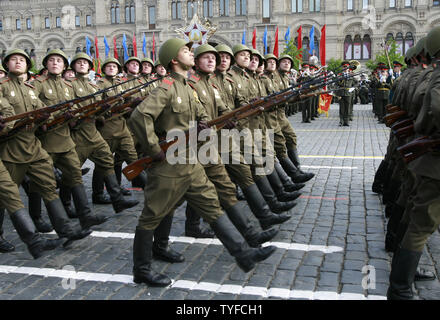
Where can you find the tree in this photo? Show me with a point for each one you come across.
(334, 65)
(393, 55)
(292, 50)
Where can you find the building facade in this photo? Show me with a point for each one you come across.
(355, 29)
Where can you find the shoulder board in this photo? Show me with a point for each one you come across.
(41, 78)
(215, 86)
(4, 80)
(94, 85)
(26, 83)
(229, 79)
(123, 78)
(167, 83)
(194, 78)
(191, 85)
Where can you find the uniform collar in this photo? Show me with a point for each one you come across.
(54, 76)
(16, 78)
(178, 77)
(238, 69)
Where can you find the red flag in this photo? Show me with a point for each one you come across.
(154, 49)
(275, 48)
(135, 50)
(115, 50)
(322, 46)
(97, 54)
(254, 39)
(300, 40)
(324, 103)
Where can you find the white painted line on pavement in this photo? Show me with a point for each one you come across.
(215, 241)
(328, 167)
(340, 157)
(192, 285)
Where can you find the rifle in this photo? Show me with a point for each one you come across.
(97, 106)
(404, 132)
(403, 123)
(27, 118)
(391, 118)
(417, 148)
(390, 108)
(262, 104)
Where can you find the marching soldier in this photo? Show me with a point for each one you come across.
(23, 154)
(89, 142)
(159, 69)
(344, 92)
(305, 103)
(2, 72)
(382, 93)
(172, 106)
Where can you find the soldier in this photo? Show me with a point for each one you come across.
(363, 90)
(424, 215)
(344, 92)
(89, 142)
(291, 167)
(2, 72)
(172, 106)
(23, 154)
(394, 75)
(306, 75)
(159, 69)
(69, 74)
(383, 92)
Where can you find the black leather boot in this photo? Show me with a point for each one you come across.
(261, 210)
(244, 226)
(142, 256)
(5, 246)
(237, 247)
(28, 234)
(278, 187)
(161, 250)
(293, 155)
(118, 201)
(66, 200)
(391, 193)
(377, 186)
(293, 171)
(87, 219)
(403, 269)
(61, 223)
(98, 195)
(34, 205)
(270, 197)
(288, 184)
(193, 227)
(392, 227)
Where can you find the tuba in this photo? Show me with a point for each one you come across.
(355, 63)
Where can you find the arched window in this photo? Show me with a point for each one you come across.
(208, 8)
(176, 10)
(316, 50)
(129, 13)
(348, 48)
(408, 42)
(358, 48)
(306, 47)
(366, 47)
(115, 13)
(390, 36)
(399, 42)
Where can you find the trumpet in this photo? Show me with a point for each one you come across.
(355, 63)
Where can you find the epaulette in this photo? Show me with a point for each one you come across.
(167, 83)
(4, 80)
(192, 85)
(27, 83)
(94, 85)
(41, 78)
(194, 78)
(215, 86)
(230, 80)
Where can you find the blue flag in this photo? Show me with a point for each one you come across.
(107, 47)
(144, 46)
(287, 35)
(88, 45)
(124, 44)
(312, 40)
(265, 40)
(243, 40)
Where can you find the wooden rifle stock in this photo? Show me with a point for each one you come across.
(417, 148)
(405, 132)
(390, 108)
(391, 118)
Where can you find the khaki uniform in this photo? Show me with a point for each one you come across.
(172, 106)
(23, 154)
(345, 100)
(58, 143)
(286, 127)
(89, 142)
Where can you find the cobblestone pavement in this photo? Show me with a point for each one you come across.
(336, 236)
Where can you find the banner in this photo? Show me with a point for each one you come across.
(265, 40)
(275, 47)
(300, 40)
(254, 39)
(325, 101)
(322, 46)
(107, 47)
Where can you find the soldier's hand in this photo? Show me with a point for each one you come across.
(229, 124)
(105, 106)
(202, 125)
(72, 124)
(136, 102)
(68, 115)
(159, 157)
(42, 116)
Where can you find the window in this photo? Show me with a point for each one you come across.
(266, 11)
(349, 5)
(28, 23)
(408, 42)
(436, 3)
(207, 8)
(18, 24)
(365, 4)
(306, 47)
(88, 20)
(58, 22)
(297, 5)
(392, 3)
(152, 17)
(1, 25)
(240, 7)
(176, 9)
(47, 23)
(115, 13)
(129, 13)
(399, 42)
(314, 5)
(224, 8)
(191, 9)
(357, 49)
(77, 22)
(408, 3)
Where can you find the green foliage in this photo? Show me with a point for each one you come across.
(295, 53)
(334, 65)
(393, 55)
(33, 68)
